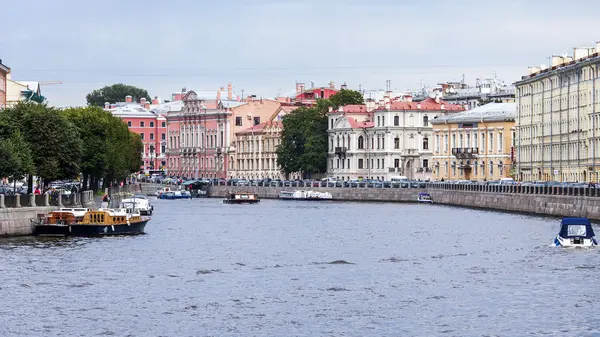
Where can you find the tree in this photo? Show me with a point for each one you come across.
(346, 97)
(115, 93)
(303, 145)
(54, 142)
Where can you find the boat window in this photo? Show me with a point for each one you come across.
(576, 230)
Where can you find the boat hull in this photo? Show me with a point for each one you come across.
(134, 228)
(173, 198)
(425, 201)
(305, 199)
(228, 201)
(581, 242)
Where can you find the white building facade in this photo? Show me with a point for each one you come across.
(395, 140)
(558, 124)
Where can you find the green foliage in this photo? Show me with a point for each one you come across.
(54, 144)
(115, 93)
(303, 145)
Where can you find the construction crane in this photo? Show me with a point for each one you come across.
(50, 82)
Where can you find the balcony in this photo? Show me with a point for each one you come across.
(395, 169)
(219, 151)
(409, 153)
(424, 169)
(340, 151)
(465, 152)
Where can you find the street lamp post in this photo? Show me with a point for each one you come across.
(151, 157)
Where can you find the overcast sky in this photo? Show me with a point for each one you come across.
(265, 46)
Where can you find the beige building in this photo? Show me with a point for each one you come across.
(476, 144)
(4, 73)
(558, 121)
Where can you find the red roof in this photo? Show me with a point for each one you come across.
(353, 108)
(356, 125)
(428, 104)
(258, 128)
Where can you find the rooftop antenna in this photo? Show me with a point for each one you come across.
(242, 94)
(388, 85)
(312, 84)
(463, 78)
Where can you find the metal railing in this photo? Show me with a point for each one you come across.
(59, 200)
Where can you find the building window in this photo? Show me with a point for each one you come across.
(396, 143)
(425, 143)
(425, 121)
(163, 124)
(238, 121)
(151, 124)
(491, 168)
(360, 163)
(256, 120)
(151, 136)
(396, 163)
(425, 162)
(396, 120)
(378, 121)
(162, 149)
(491, 142)
(129, 123)
(142, 136)
(142, 124)
(163, 136)
(361, 143)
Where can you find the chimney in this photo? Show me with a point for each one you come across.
(580, 52)
(331, 85)
(106, 105)
(143, 101)
(442, 107)
(556, 60)
(330, 109)
(341, 109)
(147, 105)
(218, 95)
(418, 106)
(155, 100)
(344, 86)
(229, 91)
(128, 99)
(298, 88)
(388, 106)
(113, 105)
(437, 99)
(408, 98)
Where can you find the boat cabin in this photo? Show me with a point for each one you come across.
(576, 228)
(424, 196)
(241, 198)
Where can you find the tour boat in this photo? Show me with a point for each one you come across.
(86, 222)
(305, 195)
(575, 232)
(425, 198)
(176, 195)
(138, 202)
(241, 198)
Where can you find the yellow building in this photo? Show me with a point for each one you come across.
(557, 119)
(475, 145)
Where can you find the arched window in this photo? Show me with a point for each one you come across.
(475, 167)
(425, 143)
(361, 142)
(491, 167)
(348, 142)
(500, 167)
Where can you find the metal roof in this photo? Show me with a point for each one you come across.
(491, 112)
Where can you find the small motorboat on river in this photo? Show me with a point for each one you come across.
(86, 222)
(575, 232)
(241, 198)
(305, 195)
(425, 198)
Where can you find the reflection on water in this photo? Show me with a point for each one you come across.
(304, 268)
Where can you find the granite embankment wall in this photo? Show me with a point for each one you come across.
(18, 212)
(545, 204)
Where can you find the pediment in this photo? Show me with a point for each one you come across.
(190, 96)
(341, 123)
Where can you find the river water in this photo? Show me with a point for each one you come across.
(285, 268)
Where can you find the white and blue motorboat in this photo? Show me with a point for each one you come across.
(425, 198)
(176, 195)
(575, 232)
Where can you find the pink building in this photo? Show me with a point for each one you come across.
(151, 127)
(201, 137)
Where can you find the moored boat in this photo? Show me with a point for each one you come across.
(241, 198)
(176, 195)
(575, 232)
(86, 222)
(305, 195)
(425, 198)
(138, 202)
